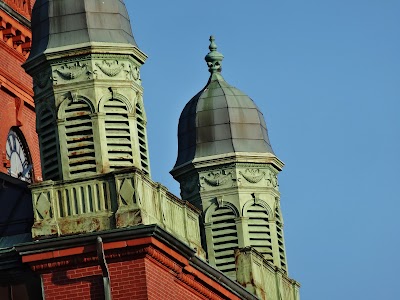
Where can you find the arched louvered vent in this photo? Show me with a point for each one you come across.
(279, 230)
(119, 143)
(259, 231)
(225, 240)
(48, 145)
(80, 145)
(144, 157)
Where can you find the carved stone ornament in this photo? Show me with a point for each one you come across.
(43, 207)
(72, 95)
(274, 180)
(135, 73)
(42, 79)
(127, 192)
(220, 201)
(111, 68)
(72, 71)
(217, 178)
(189, 185)
(253, 175)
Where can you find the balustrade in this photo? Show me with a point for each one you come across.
(116, 200)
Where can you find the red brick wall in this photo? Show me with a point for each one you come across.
(144, 279)
(16, 84)
(21, 6)
(140, 269)
(161, 284)
(27, 119)
(74, 284)
(136, 278)
(128, 280)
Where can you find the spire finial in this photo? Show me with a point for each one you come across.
(214, 58)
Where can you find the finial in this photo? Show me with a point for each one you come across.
(214, 58)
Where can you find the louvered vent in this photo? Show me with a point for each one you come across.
(118, 135)
(144, 157)
(279, 229)
(80, 145)
(48, 145)
(225, 240)
(259, 231)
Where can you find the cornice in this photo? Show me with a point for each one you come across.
(16, 35)
(149, 241)
(12, 52)
(19, 17)
(80, 50)
(227, 158)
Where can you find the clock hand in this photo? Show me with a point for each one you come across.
(25, 171)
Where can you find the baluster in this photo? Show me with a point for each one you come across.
(102, 200)
(89, 200)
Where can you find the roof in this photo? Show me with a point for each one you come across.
(58, 23)
(220, 119)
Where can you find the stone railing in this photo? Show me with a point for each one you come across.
(262, 278)
(116, 200)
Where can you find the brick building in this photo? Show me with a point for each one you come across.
(17, 114)
(97, 226)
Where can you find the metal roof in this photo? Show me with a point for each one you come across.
(220, 119)
(58, 23)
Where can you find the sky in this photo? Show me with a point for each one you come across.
(326, 75)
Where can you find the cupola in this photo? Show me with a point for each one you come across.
(220, 119)
(72, 23)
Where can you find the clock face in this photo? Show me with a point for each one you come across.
(17, 154)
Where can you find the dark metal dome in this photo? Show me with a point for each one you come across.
(58, 23)
(220, 119)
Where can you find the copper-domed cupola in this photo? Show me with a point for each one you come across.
(226, 168)
(220, 119)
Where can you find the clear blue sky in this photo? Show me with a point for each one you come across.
(326, 75)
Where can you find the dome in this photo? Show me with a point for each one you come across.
(58, 23)
(220, 119)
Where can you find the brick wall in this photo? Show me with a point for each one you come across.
(161, 284)
(16, 102)
(144, 278)
(25, 121)
(74, 284)
(138, 278)
(128, 280)
(21, 6)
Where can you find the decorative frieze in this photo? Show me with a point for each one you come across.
(253, 175)
(116, 68)
(111, 68)
(217, 178)
(72, 71)
(258, 176)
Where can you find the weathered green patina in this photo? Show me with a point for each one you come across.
(226, 167)
(92, 126)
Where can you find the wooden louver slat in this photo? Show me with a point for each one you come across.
(79, 139)
(225, 240)
(118, 135)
